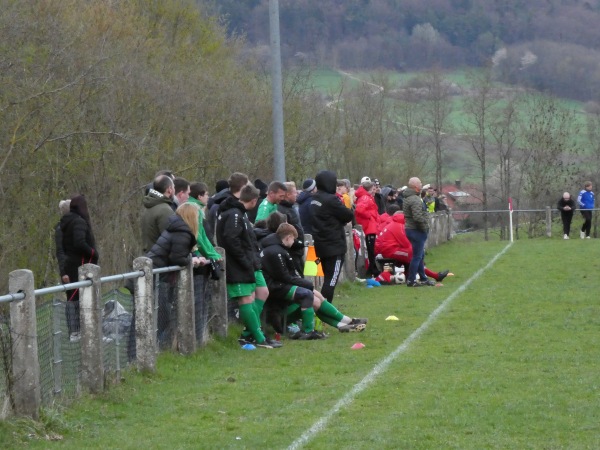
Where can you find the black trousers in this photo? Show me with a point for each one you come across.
(370, 243)
(566, 218)
(587, 224)
(332, 267)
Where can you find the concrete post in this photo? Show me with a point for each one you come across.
(348, 272)
(186, 323)
(218, 316)
(90, 308)
(146, 346)
(25, 390)
(548, 221)
(362, 255)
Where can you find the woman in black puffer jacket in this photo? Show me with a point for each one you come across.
(79, 246)
(173, 248)
(175, 244)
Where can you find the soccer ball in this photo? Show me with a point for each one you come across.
(399, 278)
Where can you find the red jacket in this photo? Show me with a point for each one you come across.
(392, 241)
(384, 219)
(366, 212)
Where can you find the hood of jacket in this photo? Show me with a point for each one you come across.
(399, 218)
(270, 240)
(177, 224)
(231, 202)
(303, 197)
(155, 198)
(218, 197)
(68, 219)
(262, 233)
(361, 192)
(386, 191)
(326, 181)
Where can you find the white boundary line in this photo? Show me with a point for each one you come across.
(382, 366)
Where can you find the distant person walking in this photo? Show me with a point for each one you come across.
(585, 199)
(566, 206)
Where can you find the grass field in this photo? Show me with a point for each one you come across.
(499, 357)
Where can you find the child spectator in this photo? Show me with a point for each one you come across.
(368, 217)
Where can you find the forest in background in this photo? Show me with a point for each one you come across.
(548, 45)
(95, 97)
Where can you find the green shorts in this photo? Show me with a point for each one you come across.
(260, 279)
(246, 289)
(240, 289)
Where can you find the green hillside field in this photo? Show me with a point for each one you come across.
(503, 355)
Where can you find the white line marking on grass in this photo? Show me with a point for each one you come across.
(320, 424)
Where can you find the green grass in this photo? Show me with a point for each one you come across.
(510, 363)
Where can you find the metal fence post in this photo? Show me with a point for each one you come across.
(145, 327)
(57, 312)
(26, 389)
(548, 221)
(186, 324)
(90, 307)
(219, 319)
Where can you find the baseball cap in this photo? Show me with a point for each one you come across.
(365, 180)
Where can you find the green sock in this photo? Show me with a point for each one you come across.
(327, 309)
(258, 306)
(308, 319)
(250, 319)
(328, 320)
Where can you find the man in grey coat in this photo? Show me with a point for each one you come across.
(417, 228)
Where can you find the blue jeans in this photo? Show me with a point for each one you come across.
(417, 239)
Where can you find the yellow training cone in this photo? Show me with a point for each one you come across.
(391, 318)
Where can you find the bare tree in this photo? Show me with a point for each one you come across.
(438, 107)
(479, 109)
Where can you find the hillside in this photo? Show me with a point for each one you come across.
(547, 45)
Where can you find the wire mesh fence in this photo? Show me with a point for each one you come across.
(60, 355)
(526, 224)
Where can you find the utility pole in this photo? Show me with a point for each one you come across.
(276, 89)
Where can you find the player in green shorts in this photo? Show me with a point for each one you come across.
(296, 294)
(245, 283)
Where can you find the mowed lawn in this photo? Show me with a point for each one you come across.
(509, 359)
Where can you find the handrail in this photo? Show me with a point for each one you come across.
(8, 298)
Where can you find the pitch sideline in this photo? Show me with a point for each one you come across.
(320, 424)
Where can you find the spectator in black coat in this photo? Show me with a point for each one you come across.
(245, 282)
(175, 244)
(173, 248)
(329, 216)
(566, 206)
(309, 187)
(79, 245)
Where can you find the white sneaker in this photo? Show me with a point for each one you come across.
(582, 234)
(588, 237)
(566, 236)
(75, 337)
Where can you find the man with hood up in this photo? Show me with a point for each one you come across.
(329, 216)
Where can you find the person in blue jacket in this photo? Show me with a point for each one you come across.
(585, 200)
